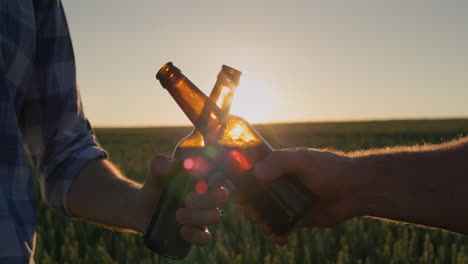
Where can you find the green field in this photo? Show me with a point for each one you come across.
(359, 240)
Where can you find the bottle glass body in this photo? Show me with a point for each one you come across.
(239, 147)
(284, 201)
(163, 231)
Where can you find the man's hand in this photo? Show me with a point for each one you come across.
(326, 174)
(200, 209)
(424, 185)
(101, 194)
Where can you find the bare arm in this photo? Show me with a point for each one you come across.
(423, 185)
(101, 194)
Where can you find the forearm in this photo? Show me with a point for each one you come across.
(101, 194)
(422, 185)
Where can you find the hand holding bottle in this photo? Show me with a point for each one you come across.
(237, 146)
(325, 174)
(200, 210)
(422, 184)
(164, 233)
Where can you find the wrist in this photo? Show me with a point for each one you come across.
(365, 196)
(144, 202)
(140, 212)
(131, 214)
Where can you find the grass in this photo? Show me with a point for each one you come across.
(359, 240)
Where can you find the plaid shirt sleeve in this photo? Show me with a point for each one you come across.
(54, 127)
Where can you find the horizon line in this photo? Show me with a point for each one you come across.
(351, 120)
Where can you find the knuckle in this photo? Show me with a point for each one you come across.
(207, 240)
(156, 161)
(158, 157)
(156, 164)
(207, 217)
(187, 233)
(216, 217)
(194, 236)
(222, 196)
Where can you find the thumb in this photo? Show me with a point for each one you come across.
(161, 165)
(276, 164)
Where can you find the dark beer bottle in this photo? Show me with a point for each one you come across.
(239, 146)
(163, 232)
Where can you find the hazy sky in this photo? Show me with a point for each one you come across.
(301, 60)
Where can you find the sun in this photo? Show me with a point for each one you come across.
(254, 100)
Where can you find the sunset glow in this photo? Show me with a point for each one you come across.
(224, 91)
(300, 60)
(238, 133)
(254, 100)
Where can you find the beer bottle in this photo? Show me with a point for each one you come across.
(163, 232)
(239, 146)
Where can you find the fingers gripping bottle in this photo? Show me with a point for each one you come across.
(239, 146)
(163, 232)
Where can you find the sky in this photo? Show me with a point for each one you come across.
(300, 60)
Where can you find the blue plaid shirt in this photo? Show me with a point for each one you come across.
(40, 110)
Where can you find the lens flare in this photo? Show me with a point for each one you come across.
(241, 161)
(188, 164)
(236, 131)
(201, 187)
(211, 152)
(197, 166)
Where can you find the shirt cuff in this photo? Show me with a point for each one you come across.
(69, 169)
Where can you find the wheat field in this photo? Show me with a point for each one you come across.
(359, 240)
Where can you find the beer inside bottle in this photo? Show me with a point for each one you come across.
(163, 232)
(239, 146)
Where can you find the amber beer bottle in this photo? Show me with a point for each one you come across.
(163, 232)
(240, 146)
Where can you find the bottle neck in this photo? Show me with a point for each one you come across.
(225, 87)
(204, 114)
